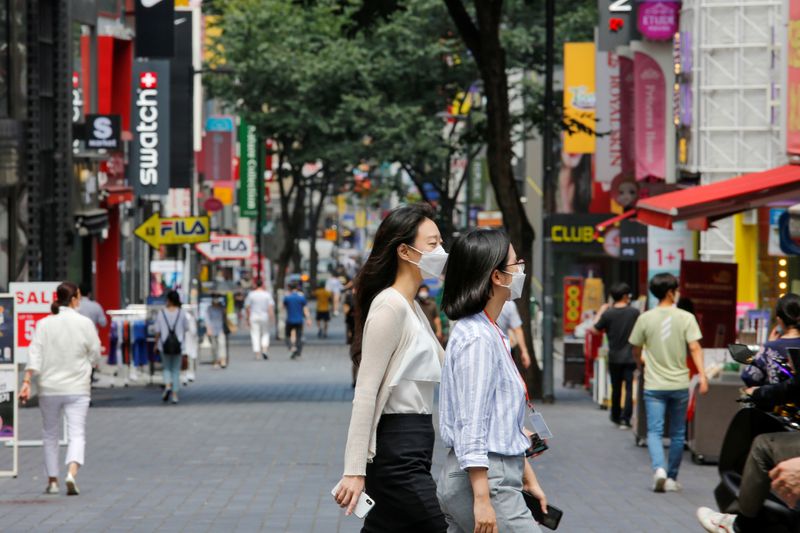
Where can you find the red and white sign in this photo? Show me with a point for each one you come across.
(32, 301)
(226, 247)
(650, 112)
(148, 80)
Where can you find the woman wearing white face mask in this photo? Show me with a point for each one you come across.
(390, 441)
(482, 401)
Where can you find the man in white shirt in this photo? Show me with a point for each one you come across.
(260, 308)
(334, 285)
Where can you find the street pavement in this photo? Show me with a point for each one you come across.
(258, 447)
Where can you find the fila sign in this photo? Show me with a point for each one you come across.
(227, 247)
(149, 168)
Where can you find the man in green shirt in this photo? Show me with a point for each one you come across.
(665, 332)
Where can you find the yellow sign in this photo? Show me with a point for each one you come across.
(579, 97)
(224, 195)
(573, 234)
(157, 231)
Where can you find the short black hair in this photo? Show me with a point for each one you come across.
(292, 286)
(661, 284)
(788, 310)
(468, 279)
(619, 291)
(174, 298)
(86, 289)
(423, 286)
(259, 283)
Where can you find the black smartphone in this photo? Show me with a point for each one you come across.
(537, 446)
(549, 520)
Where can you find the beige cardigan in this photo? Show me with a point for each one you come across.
(389, 330)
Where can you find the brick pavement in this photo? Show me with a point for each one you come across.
(257, 447)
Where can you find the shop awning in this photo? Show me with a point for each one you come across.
(704, 204)
(112, 195)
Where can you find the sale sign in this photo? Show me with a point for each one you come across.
(32, 301)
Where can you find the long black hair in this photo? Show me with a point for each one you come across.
(468, 281)
(380, 270)
(788, 309)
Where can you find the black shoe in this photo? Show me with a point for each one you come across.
(166, 395)
(265, 356)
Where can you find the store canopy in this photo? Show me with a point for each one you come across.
(704, 204)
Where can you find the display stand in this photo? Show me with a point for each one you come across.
(128, 373)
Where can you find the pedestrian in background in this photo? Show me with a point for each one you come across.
(771, 364)
(391, 436)
(91, 309)
(334, 286)
(664, 332)
(482, 400)
(297, 314)
(510, 323)
(171, 327)
(260, 311)
(617, 322)
(431, 311)
(216, 329)
(323, 297)
(64, 348)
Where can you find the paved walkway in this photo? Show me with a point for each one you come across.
(257, 447)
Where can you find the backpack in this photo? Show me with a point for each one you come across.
(172, 345)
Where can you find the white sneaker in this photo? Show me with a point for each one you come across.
(716, 522)
(190, 376)
(672, 486)
(72, 487)
(52, 488)
(659, 480)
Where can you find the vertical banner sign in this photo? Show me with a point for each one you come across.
(155, 28)
(148, 171)
(666, 249)
(579, 96)
(181, 98)
(218, 150)
(617, 24)
(573, 300)
(609, 119)
(251, 173)
(793, 98)
(712, 289)
(628, 115)
(650, 123)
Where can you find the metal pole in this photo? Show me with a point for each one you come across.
(547, 178)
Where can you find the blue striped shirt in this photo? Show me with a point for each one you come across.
(482, 405)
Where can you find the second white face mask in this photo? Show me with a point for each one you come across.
(431, 264)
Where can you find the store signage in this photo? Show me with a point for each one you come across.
(32, 301)
(102, 132)
(633, 242)
(573, 300)
(627, 115)
(77, 98)
(157, 231)
(579, 97)
(218, 151)
(227, 247)
(608, 163)
(793, 80)
(251, 171)
(212, 205)
(666, 249)
(712, 289)
(149, 166)
(219, 124)
(617, 24)
(155, 28)
(658, 19)
(650, 121)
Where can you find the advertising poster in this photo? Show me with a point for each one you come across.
(165, 276)
(8, 392)
(650, 119)
(712, 289)
(6, 330)
(666, 250)
(579, 96)
(32, 301)
(793, 80)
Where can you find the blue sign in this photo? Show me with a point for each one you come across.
(219, 124)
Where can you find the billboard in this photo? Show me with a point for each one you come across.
(579, 97)
(149, 167)
(155, 28)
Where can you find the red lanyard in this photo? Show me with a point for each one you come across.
(503, 341)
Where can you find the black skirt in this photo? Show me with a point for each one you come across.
(399, 478)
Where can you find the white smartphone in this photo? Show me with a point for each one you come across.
(364, 505)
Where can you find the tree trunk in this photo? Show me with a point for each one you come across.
(483, 39)
(316, 213)
(291, 230)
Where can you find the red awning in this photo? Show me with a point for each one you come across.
(704, 204)
(112, 195)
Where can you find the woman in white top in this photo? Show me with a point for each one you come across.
(391, 436)
(64, 348)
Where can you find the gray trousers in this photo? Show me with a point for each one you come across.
(505, 487)
(767, 451)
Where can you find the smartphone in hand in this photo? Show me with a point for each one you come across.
(364, 505)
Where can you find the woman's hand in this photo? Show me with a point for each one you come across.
(485, 517)
(25, 392)
(531, 485)
(350, 489)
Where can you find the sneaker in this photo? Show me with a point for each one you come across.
(190, 376)
(72, 487)
(165, 396)
(174, 399)
(264, 356)
(716, 522)
(659, 479)
(52, 488)
(672, 486)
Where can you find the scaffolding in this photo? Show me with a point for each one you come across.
(736, 86)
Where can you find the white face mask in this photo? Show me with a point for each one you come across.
(431, 264)
(516, 285)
